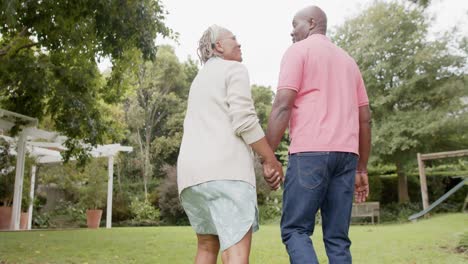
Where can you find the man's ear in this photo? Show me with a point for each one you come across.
(312, 24)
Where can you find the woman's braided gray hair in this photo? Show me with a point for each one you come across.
(207, 42)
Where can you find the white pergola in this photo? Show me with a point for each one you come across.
(45, 153)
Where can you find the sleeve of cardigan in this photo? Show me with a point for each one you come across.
(241, 108)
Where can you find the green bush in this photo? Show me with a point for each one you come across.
(7, 173)
(270, 210)
(123, 193)
(76, 212)
(375, 185)
(390, 189)
(121, 206)
(94, 191)
(382, 170)
(447, 207)
(395, 212)
(134, 223)
(389, 193)
(143, 211)
(39, 201)
(436, 186)
(41, 220)
(172, 212)
(66, 215)
(439, 176)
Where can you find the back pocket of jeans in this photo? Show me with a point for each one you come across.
(312, 169)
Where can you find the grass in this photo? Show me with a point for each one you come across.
(463, 244)
(428, 241)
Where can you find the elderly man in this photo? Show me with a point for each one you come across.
(322, 96)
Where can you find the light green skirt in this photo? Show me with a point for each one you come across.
(225, 208)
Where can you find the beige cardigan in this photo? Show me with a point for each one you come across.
(219, 125)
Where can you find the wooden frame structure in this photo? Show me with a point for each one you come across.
(422, 171)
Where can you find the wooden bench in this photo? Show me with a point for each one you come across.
(368, 209)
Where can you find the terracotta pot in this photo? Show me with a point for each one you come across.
(24, 221)
(5, 217)
(93, 218)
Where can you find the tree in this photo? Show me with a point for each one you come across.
(93, 192)
(423, 3)
(48, 52)
(165, 147)
(263, 98)
(415, 85)
(154, 107)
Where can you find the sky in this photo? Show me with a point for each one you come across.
(263, 26)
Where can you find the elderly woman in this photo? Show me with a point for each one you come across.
(216, 178)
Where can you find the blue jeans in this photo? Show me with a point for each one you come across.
(325, 181)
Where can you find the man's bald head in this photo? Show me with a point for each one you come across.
(316, 14)
(308, 21)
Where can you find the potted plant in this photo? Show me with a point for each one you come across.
(6, 200)
(7, 185)
(7, 182)
(94, 193)
(25, 207)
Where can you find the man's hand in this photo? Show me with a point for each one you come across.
(361, 187)
(273, 173)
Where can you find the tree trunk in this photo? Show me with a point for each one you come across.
(145, 183)
(147, 160)
(144, 168)
(403, 196)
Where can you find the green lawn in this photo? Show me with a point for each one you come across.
(427, 241)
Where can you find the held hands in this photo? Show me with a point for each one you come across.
(273, 173)
(361, 187)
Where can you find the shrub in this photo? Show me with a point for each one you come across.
(143, 211)
(375, 185)
(270, 212)
(65, 215)
(7, 173)
(396, 212)
(94, 191)
(172, 211)
(121, 206)
(436, 185)
(270, 209)
(41, 220)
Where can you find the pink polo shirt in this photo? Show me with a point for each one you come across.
(330, 90)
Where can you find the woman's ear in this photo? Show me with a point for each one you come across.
(218, 47)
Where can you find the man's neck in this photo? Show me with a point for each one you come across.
(316, 32)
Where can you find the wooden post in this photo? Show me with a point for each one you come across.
(31, 196)
(19, 177)
(423, 182)
(110, 187)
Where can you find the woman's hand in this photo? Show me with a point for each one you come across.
(272, 169)
(273, 173)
